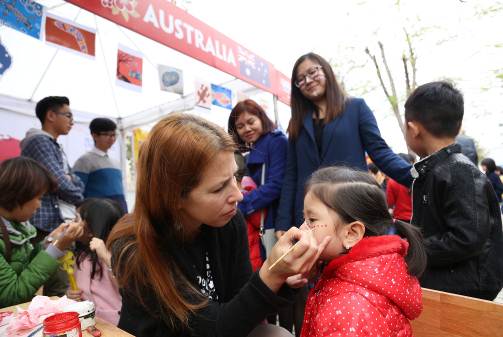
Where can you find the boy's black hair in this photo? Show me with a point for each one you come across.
(438, 107)
(22, 179)
(98, 125)
(49, 103)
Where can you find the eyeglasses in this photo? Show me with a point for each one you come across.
(311, 73)
(68, 115)
(107, 134)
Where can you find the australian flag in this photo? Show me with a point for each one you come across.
(253, 67)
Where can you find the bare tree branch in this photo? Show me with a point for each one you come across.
(406, 72)
(412, 59)
(390, 77)
(378, 71)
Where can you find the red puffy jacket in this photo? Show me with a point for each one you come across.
(367, 292)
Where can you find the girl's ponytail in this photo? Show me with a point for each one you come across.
(416, 256)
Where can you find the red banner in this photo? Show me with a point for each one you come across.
(165, 23)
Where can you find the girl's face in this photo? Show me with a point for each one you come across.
(312, 80)
(87, 234)
(214, 201)
(26, 210)
(324, 222)
(249, 127)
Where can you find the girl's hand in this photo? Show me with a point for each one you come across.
(299, 261)
(75, 295)
(296, 281)
(279, 234)
(97, 245)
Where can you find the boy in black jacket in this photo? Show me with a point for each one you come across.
(453, 203)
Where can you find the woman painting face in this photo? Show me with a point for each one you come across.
(214, 201)
(311, 80)
(249, 127)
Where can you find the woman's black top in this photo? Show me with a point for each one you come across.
(217, 263)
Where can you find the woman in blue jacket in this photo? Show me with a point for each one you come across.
(328, 128)
(252, 130)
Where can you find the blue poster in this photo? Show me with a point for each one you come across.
(22, 15)
(221, 96)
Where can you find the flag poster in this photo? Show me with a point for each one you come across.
(203, 95)
(253, 67)
(70, 35)
(221, 96)
(22, 15)
(171, 79)
(129, 68)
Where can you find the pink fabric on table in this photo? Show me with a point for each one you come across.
(103, 292)
(40, 307)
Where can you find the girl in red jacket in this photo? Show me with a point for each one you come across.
(369, 285)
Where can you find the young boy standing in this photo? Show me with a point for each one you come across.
(453, 202)
(102, 176)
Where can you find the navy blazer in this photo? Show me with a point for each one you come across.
(344, 142)
(270, 149)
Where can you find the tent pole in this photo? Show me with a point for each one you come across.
(106, 68)
(49, 64)
(123, 154)
(276, 114)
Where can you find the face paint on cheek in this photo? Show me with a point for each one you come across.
(317, 226)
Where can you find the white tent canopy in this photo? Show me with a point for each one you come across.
(40, 69)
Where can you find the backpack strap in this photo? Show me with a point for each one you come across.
(5, 237)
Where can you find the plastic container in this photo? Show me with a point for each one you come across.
(65, 324)
(86, 311)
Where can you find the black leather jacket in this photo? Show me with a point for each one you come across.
(456, 207)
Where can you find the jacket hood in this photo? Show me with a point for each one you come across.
(377, 263)
(33, 132)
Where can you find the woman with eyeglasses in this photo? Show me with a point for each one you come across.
(328, 128)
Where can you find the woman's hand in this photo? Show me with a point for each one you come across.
(72, 232)
(279, 234)
(97, 245)
(75, 295)
(299, 261)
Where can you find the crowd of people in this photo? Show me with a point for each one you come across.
(248, 232)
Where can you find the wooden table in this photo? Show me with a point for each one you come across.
(451, 315)
(107, 329)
